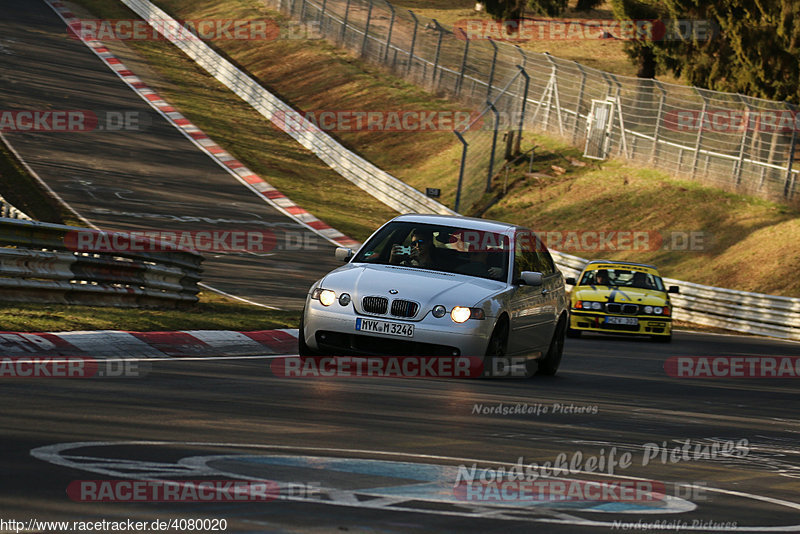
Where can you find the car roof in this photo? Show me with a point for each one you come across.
(623, 263)
(469, 223)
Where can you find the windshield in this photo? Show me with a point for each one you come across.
(622, 278)
(439, 248)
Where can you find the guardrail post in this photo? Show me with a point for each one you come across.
(788, 189)
(366, 29)
(344, 20)
(554, 92)
(491, 70)
(578, 104)
(659, 119)
(302, 10)
(518, 141)
(461, 168)
(740, 161)
(413, 42)
(618, 104)
(494, 146)
(322, 13)
(438, 51)
(389, 35)
(699, 133)
(463, 62)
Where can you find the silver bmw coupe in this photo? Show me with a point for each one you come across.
(433, 285)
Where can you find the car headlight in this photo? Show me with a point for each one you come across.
(648, 310)
(658, 310)
(344, 299)
(325, 296)
(460, 314)
(588, 305)
(439, 311)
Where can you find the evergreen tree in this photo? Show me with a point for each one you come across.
(505, 9)
(753, 51)
(587, 5)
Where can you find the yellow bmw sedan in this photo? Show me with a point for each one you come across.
(615, 297)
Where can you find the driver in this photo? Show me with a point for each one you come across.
(601, 277)
(423, 253)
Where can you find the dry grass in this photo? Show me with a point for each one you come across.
(606, 55)
(213, 312)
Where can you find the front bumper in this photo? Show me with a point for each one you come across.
(333, 331)
(648, 325)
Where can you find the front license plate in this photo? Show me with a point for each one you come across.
(385, 327)
(622, 320)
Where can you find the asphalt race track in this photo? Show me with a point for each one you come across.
(358, 454)
(152, 179)
(238, 419)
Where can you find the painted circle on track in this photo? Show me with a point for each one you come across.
(390, 481)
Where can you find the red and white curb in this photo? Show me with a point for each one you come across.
(120, 344)
(233, 166)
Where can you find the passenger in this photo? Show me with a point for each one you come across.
(640, 280)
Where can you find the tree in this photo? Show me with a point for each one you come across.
(550, 8)
(514, 9)
(754, 50)
(587, 5)
(505, 9)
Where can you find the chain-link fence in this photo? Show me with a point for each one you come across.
(730, 140)
(487, 142)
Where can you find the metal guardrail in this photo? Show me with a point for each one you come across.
(10, 212)
(740, 311)
(38, 264)
(378, 183)
(734, 310)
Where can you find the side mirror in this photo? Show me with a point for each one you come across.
(571, 281)
(530, 278)
(344, 253)
(673, 289)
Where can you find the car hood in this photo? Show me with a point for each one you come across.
(645, 297)
(428, 288)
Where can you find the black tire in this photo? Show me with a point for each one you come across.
(496, 348)
(302, 348)
(572, 333)
(548, 365)
(662, 339)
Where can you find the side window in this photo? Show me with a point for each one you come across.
(525, 255)
(546, 262)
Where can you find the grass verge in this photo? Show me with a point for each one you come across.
(22, 191)
(212, 312)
